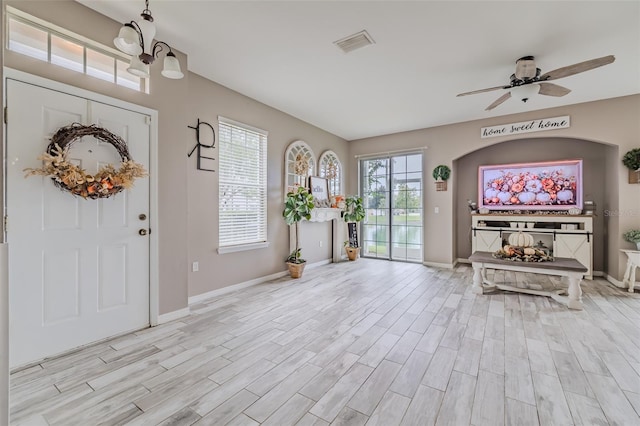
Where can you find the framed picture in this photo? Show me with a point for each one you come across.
(319, 188)
(551, 185)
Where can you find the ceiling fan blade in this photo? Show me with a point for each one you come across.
(498, 101)
(577, 68)
(551, 89)
(490, 89)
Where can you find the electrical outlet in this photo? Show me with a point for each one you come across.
(436, 210)
(320, 243)
(195, 267)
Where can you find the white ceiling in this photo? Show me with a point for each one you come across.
(426, 52)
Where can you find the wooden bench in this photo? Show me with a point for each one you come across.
(561, 266)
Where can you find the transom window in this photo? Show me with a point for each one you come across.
(242, 186)
(44, 41)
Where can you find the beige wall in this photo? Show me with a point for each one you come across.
(613, 122)
(207, 101)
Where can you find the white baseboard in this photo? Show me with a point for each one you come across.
(439, 265)
(170, 316)
(319, 263)
(464, 261)
(615, 282)
(228, 289)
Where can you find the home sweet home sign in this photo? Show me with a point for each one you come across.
(539, 125)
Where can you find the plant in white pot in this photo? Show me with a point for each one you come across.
(633, 236)
(353, 213)
(297, 206)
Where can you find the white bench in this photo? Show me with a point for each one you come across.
(561, 266)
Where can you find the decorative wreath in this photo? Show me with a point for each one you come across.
(73, 178)
(301, 166)
(332, 170)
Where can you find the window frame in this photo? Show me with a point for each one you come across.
(86, 43)
(261, 240)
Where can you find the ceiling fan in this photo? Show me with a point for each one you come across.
(527, 81)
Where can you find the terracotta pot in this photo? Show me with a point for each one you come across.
(295, 269)
(352, 252)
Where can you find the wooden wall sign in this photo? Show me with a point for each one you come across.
(526, 127)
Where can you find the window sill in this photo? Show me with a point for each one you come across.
(243, 247)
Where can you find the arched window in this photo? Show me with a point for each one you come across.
(331, 169)
(300, 163)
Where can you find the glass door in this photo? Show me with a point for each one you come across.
(392, 195)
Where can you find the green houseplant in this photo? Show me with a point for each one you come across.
(441, 172)
(353, 213)
(633, 236)
(297, 206)
(631, 160)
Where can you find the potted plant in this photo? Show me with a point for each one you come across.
(297, 206)
(441, 173)
(633, 236)
(632, 161)
(352, 214)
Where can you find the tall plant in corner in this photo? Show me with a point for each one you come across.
(297, 206)
(353, 213)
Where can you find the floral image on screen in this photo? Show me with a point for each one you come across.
(531, 186)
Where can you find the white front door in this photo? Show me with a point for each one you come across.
(78, 269)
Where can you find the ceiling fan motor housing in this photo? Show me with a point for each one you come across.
(526, 69)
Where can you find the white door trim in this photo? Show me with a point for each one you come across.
(12, 74)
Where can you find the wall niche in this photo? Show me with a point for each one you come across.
(596, 179)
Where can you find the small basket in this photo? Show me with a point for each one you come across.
(441, 185)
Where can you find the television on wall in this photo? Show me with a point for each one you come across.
(551, 185)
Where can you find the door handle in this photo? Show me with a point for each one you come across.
(142, 216)
(142, 232)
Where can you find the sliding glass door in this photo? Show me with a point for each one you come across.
(391, 189)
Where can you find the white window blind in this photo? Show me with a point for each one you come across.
(242, 184)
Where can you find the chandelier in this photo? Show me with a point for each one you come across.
(136, 39)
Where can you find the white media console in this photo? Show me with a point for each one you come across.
(564, 235)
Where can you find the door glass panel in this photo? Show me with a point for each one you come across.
(392, 195)
(27, 40)
(67, 54)
(100, 65)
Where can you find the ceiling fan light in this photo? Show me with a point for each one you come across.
(138, 68)
(128, 41)
(525, 92)
(172, 67)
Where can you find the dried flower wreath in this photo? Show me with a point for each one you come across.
(301, 165)
(70, 177)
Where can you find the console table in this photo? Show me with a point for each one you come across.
(561, 266)
(633, 262)
(566, 235)
(321, 214)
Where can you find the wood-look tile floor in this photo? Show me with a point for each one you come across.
(367, 342)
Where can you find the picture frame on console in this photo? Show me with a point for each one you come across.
(549, 185)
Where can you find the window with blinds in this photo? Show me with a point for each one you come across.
(242, 186)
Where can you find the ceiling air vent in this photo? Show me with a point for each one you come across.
(354, 41)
